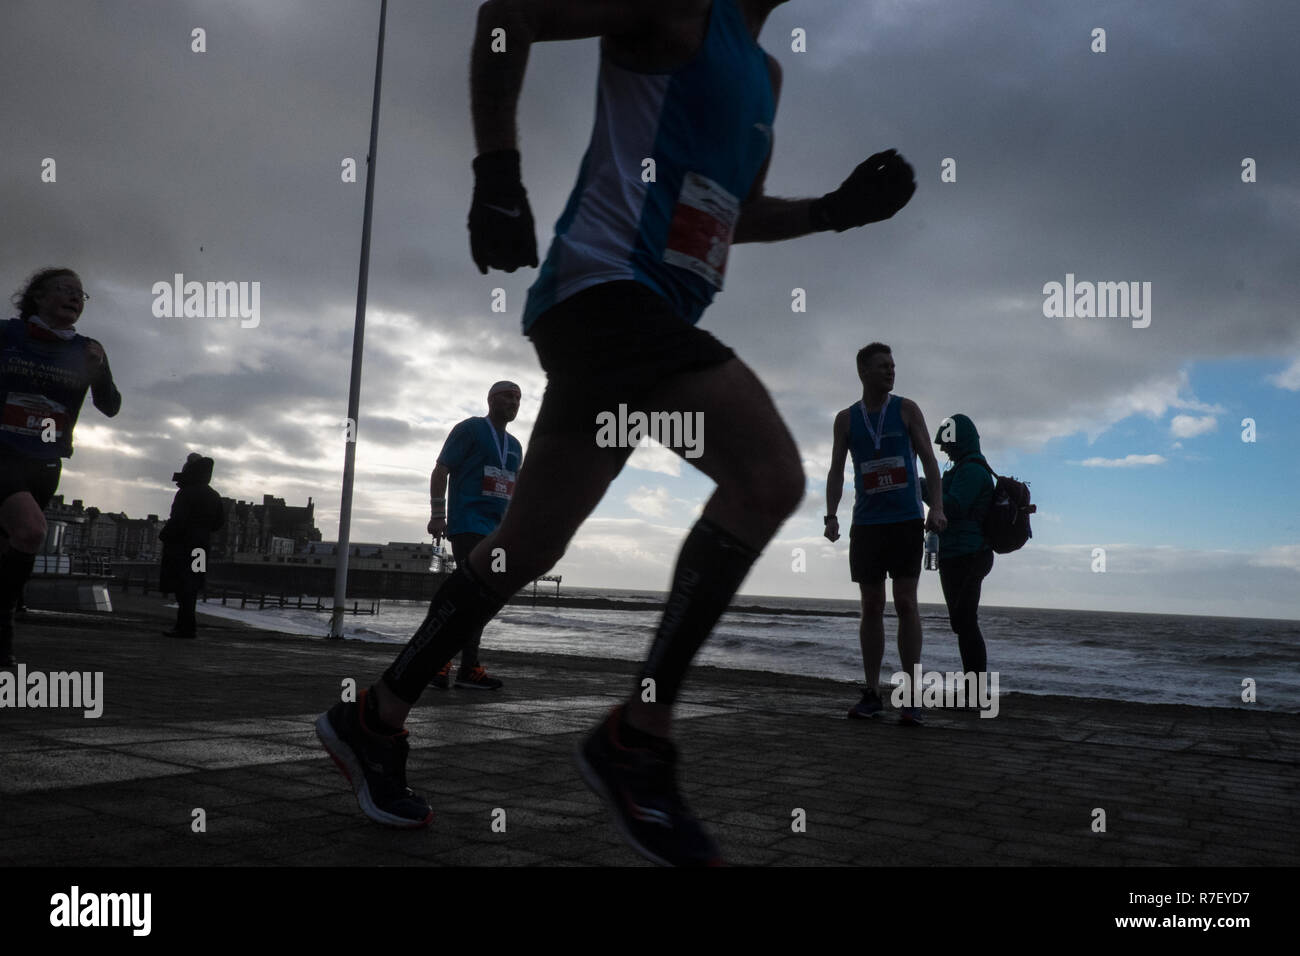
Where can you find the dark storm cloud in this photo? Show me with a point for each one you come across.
(225, 166)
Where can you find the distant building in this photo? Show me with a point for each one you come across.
(137, 538)
(101, 532)
(258, 529)
(271, 528)
(64, 527)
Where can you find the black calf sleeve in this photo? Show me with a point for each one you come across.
(462, 606)
(710, 569)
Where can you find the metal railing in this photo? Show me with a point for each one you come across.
(88, 565)
(259, 599)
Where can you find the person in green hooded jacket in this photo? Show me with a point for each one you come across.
(965, 555)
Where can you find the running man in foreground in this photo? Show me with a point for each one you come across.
(886, 434)
(482, 462)
(612, 315)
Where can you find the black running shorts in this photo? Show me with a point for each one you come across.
(40, 476)
(875, 549)
(462, 545)
(613, 344)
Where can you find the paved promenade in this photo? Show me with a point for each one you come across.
(224, 725)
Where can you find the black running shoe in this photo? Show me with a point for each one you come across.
(375, 765)
(476, 678)
(869, 706)
(639, 787)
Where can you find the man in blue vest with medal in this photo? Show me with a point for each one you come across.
(482, 461)
(885, 434)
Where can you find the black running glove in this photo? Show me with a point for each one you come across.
(876, 190)
(501, 230)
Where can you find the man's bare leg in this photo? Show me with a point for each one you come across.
(23, 524)
(909, 624)
(871, 632)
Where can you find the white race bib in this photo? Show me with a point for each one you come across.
(883, 474)
(26, 414)
(498, 482)
(701, 229)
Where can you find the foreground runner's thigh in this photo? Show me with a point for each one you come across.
(745, 442)
(562, 479)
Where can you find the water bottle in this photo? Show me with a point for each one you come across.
(931, 551)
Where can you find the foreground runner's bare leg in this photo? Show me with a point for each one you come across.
(747, 450)
(561, 481)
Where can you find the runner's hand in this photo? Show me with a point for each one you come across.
(437, 528)
(832, 531)
(874, 191)
(501, 230)
(936, 520)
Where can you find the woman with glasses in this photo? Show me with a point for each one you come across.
(45, 369)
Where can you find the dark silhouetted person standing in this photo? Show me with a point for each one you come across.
(965, 555)
(196, 514)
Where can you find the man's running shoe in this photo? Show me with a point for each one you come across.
(638, 784)
(477, 679)
(869, 706)
(442, 679)
(910, 717)
(375, 765)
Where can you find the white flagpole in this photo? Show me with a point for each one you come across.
(358, 341)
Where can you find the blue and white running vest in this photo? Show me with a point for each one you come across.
(41, 381)
(884, 465)
(707, 126)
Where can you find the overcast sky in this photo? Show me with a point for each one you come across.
(1126, 165)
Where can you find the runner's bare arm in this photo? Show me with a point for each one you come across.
(920, 436)
(497, 77)
(103, 393)
(767, 218)
(438, 483)
(839, 450)
(438, 501)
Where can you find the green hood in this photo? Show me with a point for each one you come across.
(967, 492)
(967, 441)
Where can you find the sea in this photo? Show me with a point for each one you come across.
(1148, 658)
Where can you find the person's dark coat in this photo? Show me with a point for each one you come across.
(967, 492)
(196, 513)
